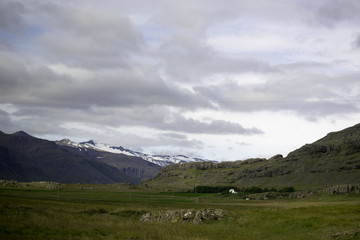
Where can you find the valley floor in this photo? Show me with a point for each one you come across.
(45, 211)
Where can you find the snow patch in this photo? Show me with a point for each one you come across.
(161, 160)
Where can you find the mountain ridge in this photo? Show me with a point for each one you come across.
(161, 160)
(333, 159)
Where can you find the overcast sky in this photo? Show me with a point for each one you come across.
(222, 80)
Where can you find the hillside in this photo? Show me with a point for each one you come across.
(334, 159)
(26, 158)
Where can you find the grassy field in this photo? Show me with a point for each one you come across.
(41, 211)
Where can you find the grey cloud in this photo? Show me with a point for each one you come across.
(188, 125)
(42, 86)
(11, 16)
(12, 23)
(21, 85)
(357, 41)
(174, 135)
(93, 116)
(48, 119)
(6, 124)
(5, 45)
(134, 82)
(308, 94)
(33, 121)
(199, 16)
(332, 12)
(83, 37)
(13, 76)
(195, 16)
(134, 141)
(51, 126)
(190, 59)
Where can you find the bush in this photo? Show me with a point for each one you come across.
(95, 211)
(253, 190)
(214, 189)
(129, 213)
(287, 189)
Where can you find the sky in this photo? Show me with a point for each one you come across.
(221, 80)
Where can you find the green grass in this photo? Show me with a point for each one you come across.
(107, 212)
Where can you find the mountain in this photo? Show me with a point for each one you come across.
(161, 160)
(334, 159)
(26, 158)
(129, 164)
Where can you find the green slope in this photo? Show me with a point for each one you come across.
(334, 159)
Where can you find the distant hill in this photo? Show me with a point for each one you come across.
(334, 159)
(26, 158)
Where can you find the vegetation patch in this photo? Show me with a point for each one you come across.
(95, 211)
(129, 213)
(241, 191)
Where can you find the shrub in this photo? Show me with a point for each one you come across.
(287, 189)
(129, 213)
(214, 189)
(95, 211)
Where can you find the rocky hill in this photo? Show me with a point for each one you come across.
(332, 160)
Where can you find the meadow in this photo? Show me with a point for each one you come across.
(75, 211)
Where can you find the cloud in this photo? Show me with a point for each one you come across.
(308, 89)
(5, 122)
(138, 140)
(188, 125)
(192, 60)
(76, 67)
(357, 42)
(40, 85)
(174, 135)
(42, 120)
(334, 12)
(11, 16)
(12, 24)
(85, 37)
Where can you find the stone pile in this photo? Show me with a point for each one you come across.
(185, 215)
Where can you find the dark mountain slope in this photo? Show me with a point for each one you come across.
(16, 166)
(26, 158)
(334, 159)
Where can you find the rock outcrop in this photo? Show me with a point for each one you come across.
(342, 189)
(185, 215)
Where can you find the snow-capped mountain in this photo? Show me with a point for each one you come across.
(161, 160)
